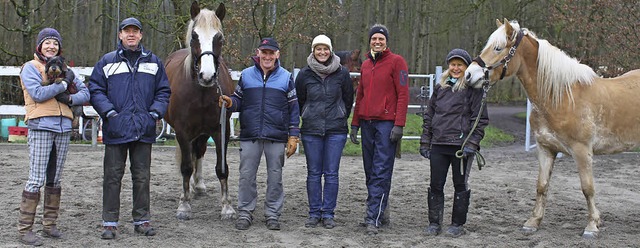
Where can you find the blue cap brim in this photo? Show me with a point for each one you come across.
(268, 47)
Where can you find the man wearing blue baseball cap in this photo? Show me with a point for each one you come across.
(265, 91)
(130, 90)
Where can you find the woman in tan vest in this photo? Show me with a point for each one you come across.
(49, 120)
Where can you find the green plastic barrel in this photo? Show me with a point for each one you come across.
(4, 128)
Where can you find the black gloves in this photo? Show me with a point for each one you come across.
(425, 150)
(396, 133)
(468, 151)
(354, 135)
(64, 97)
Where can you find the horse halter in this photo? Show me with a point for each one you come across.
(504, 61)
(196, 64)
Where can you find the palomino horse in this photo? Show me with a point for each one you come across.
(575, 112)
(351, 60)
(198, 75)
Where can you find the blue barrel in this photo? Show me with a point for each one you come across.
(4, 128)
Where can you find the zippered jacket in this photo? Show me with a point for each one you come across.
(133, 89)
(383, 92)
(450, 116)
(326, 104)
(268, 104)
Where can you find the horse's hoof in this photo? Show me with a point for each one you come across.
(589, 235)
(183, 215)
(227, 216)
(529, 230)
(227, 213)
(200, 191)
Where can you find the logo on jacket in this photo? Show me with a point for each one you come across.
(404, 77)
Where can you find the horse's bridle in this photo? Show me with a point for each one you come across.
(485, 87)
(504, 61)
(196, 64)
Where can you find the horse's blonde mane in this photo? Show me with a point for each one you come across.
(558, 72)
(206, 21)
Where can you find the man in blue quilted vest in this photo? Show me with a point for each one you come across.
(269, 118)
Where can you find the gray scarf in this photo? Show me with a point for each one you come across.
(323, 70)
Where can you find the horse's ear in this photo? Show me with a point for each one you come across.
(355, 54)
(221, 11)
(508, 28)
(195, 9)
(498, 23)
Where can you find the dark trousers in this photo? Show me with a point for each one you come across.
(378, 155)
(441, 158)
(114, 164)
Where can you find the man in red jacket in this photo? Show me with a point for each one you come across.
(381, 111)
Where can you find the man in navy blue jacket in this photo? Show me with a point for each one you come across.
(130, 90)
(269, 118)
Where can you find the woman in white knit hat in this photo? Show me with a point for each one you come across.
(325, 95)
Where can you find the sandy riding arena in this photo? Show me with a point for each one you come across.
(502, 198)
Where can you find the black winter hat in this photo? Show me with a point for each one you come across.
(379, 28)
(459, 53)
(48, 33)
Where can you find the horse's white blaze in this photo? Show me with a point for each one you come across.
(207, 63)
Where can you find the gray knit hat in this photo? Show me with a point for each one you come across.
(48, 33)
(459, 53)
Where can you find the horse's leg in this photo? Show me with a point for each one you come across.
(197, 183)
(227, 211)
(546, 158)
(183, 156)
(584, 160)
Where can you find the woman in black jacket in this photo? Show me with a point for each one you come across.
(452, 112)
(325, 96)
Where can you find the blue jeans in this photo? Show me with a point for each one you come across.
(323, 159)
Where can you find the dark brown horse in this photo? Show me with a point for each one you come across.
(198, 75)
(351, 60)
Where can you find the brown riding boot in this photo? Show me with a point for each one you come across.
(51, 209)
(28, 207)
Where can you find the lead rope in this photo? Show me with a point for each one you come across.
(223, 132)
(460, 153)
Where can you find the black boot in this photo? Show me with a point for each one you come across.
(436, 211)
(459, 215)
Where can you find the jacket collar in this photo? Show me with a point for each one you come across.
(256, 62)
(143, 52)
(381, 55)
